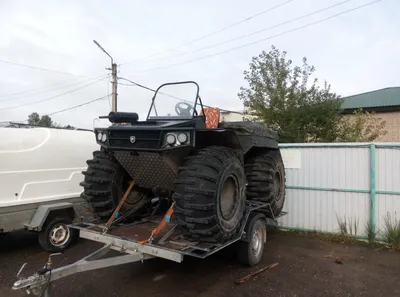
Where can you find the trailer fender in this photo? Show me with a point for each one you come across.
(253, 217)
(44, 211)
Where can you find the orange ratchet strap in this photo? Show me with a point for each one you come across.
(116, 211)
(162, 225)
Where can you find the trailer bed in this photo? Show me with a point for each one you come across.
(127, 237)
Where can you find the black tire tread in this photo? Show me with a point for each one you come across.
(195, 207)
(97, 185)
(260, 169)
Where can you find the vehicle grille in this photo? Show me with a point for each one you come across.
(143, 139)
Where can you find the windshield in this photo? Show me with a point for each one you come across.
(176, 100)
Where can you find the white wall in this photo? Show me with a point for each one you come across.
(231, 117)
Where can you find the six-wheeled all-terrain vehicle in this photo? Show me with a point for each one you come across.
(187, 156)
(178, 184)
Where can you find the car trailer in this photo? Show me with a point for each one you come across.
(133, 241)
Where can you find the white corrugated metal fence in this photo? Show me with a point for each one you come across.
(328, 183)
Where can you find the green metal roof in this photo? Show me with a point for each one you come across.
(378, 98)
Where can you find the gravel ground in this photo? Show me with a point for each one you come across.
(303, 270)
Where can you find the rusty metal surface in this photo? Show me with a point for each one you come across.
(136, 232)
(98, 228)
(142, 231)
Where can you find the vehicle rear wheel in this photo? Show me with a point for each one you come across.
(266, 181)
(104, 185)
(210, 194)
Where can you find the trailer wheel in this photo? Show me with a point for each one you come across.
(210, 194)
(251, 251)
(266, 180)
(55, 235)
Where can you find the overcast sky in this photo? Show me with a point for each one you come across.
(355, 52)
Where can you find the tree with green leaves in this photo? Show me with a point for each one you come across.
(360, 127)
(35, 119)
(283, 97)
(45, 121)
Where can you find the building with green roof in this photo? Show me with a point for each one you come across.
(374, 100)
(385, 103)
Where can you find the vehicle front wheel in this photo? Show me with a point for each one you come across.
(104, 185)
(210, 194)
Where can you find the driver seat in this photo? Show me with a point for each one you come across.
(212, 117)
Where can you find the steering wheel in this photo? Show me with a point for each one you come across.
(184, 111)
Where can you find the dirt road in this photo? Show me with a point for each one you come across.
(302, 271)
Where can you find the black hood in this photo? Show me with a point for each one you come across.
(162, 124)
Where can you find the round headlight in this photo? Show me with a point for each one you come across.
(182, 137)
(99, 136)
(104, 137)
(171, 139)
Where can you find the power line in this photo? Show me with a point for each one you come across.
(42, 90)
(137, 84)
(217, 31)
(66, 109)
(153, 90)
(79, 105)
(53, 97)
(259, 40)
(174, 97)
(249, 34)
(42, 69)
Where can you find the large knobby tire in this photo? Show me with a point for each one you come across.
(104, 185)
(266, 179)
(210, 194)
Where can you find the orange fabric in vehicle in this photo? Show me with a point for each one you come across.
(212, 117)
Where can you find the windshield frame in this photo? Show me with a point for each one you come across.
(196, 101)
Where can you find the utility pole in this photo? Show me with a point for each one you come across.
(113, 77)
(114, 86)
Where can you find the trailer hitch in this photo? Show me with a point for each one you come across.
(38, 283)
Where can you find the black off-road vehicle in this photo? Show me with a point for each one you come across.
(185, 154)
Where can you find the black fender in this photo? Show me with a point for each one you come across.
(254, 216)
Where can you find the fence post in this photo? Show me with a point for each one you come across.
(372, 178)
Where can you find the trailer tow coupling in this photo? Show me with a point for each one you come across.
(38, 284)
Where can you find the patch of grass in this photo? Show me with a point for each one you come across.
(371, 234)
(347, 228)
(353, 226)
(391, 232)
(328, 237)
(342, 226)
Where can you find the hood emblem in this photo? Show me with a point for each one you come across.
(132, 139)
